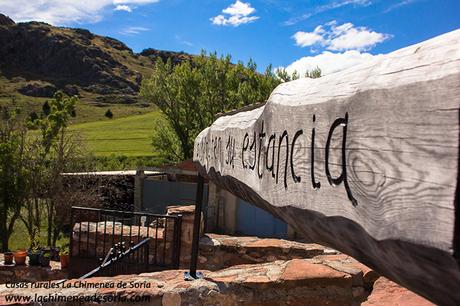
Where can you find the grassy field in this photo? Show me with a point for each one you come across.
(87, 110)
(129, 136)
(20, 239)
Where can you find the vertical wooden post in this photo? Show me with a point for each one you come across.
(196, 230)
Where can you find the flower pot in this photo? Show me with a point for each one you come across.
(20, 257)
(8, 258)
(34, 258)
(64, 260)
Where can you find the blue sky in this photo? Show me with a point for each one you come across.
(332, 34)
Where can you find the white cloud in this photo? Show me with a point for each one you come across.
(304, 39)
(340, 37)
(238, 13)
(398, 5)
(140, 2)
(239, 8)
(330, 62)
(327, 7)
(183, 41)
(356, 39)
(123, 8)
(133, 30)
(62, 12)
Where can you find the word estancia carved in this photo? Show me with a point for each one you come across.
(258, 156)
(365, 160)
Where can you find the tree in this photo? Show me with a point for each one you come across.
(30, 168)
(109, 114)
(313, 74)
(284, 76)
(190, 94)
(61, 109)
(12, 172)
(52, 155)
(33, 116)
(46, 108)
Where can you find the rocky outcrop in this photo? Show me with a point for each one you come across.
(35, 89)
(74, 57)
(61, 56)
(176, 57)
(5, 20)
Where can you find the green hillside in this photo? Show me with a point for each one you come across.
(129, 136)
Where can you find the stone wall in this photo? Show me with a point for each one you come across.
(101, 191)
(25, 273)
(237, 271)
(186, 238)
(323, 280)
(221, 251)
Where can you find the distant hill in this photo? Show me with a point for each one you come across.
(36, 59)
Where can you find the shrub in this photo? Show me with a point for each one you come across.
(109, 114)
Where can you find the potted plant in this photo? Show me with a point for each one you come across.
(34, 250)
(64, 257)
(34, 256)
(54, 254)
(20, 257)
(45, 259)
(8, 258)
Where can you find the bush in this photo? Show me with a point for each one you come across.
(46, 108)
(109, 114)
(33, 116)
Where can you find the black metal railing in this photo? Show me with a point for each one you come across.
(143, 241)
(118, 258)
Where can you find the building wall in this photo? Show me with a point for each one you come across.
(230, 215)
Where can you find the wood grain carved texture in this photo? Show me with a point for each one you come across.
(430, 272)
(400, 155)
(401, 159)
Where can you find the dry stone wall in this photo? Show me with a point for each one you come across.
(294, 282)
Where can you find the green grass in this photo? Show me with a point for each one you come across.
(87, 109)
(129, 136)
(20, 238)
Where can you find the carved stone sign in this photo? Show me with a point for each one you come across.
(365, 160)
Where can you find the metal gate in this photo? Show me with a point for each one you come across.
(135, 242)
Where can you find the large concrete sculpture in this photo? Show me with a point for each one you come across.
(365, 160)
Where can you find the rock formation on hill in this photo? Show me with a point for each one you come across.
(40, 58)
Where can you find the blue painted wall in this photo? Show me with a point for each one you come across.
(253, 221)
(159, 194)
